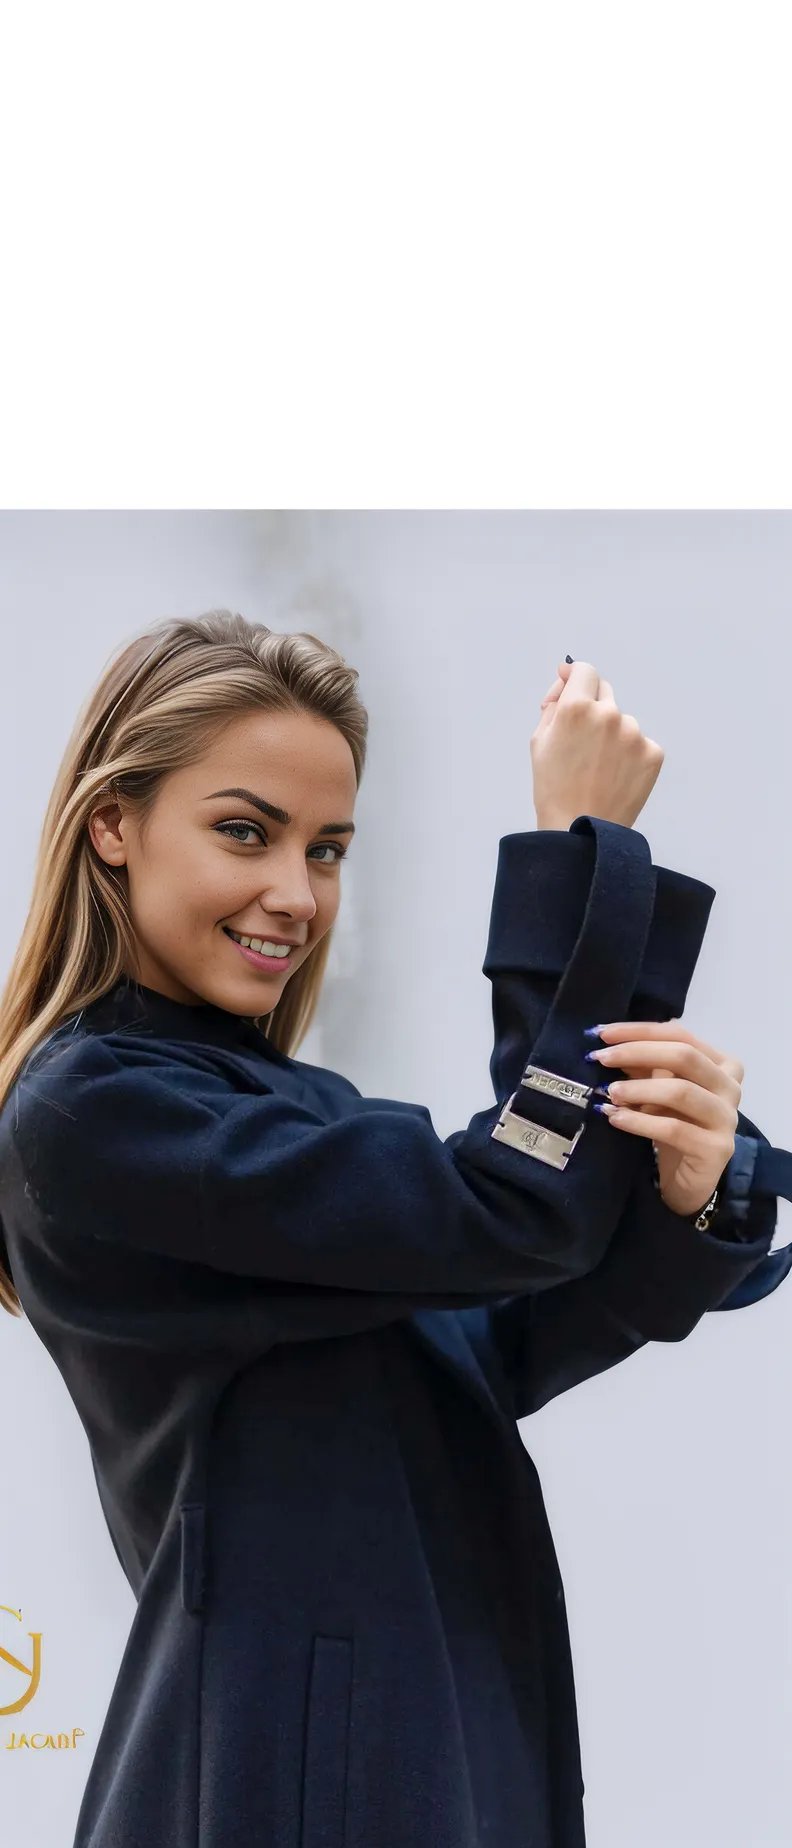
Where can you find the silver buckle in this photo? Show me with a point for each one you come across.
(520, 1132)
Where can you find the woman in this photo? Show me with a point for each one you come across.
(299, 1329)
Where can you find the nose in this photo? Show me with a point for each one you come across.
(289, 895)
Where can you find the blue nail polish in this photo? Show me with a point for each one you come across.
(591, 1055)
(589, 1030)
(600, 1107)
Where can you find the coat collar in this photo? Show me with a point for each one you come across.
(131, 1007)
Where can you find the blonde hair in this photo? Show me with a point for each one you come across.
(157, 707)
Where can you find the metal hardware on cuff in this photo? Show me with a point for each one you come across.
(520, 1132)
(707, 1212)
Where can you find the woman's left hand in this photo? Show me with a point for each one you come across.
(685, 1099)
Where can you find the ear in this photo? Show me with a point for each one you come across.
(105, 835)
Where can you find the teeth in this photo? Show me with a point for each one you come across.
(262, 945)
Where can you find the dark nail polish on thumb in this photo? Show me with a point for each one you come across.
(569, 657)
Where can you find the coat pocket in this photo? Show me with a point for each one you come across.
(327, 1744)
(193, 1556)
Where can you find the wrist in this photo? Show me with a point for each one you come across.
(702, 1219)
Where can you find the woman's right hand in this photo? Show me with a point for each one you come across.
(589, 758)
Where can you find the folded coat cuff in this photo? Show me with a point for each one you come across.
(540, 894)
(755, 1176)
(663, 1282)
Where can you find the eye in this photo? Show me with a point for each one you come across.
(253, 827)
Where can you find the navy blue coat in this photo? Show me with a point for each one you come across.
(299, 1329)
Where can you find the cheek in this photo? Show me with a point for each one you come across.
(328, 904)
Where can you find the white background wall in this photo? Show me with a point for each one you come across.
(667, 1480)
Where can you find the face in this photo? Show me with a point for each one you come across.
(211, 863)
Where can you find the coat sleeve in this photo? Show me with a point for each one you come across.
(657, 1279)
(146, 1146)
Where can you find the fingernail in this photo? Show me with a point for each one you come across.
(590, 1031)
(569, 657)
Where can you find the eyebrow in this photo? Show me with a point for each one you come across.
(279, 814)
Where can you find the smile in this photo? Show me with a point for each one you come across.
(257, 958)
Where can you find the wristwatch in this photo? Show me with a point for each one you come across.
(705, 1215)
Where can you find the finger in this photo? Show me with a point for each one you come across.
(562, 676)
(637, 1029)
(673, 1030)
(668, 1132)
(604, 697)
(661, 1071)
(677, 1097)
(685, 1060)
(581, 676)
(602, 689)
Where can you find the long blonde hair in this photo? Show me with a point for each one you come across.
(156, 708)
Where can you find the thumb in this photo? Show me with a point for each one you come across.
(559, 683)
